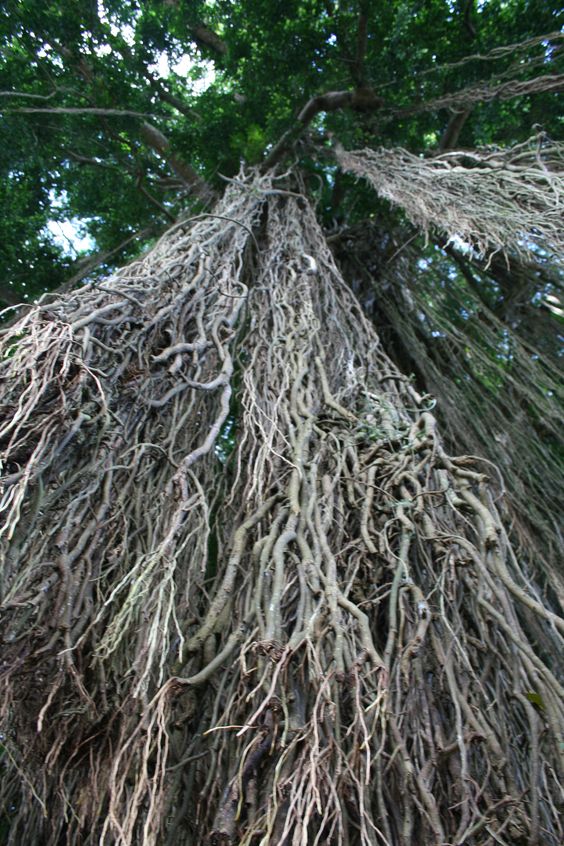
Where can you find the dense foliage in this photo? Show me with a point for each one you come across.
(222, 81)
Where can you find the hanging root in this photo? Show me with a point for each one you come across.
(497, 380)
(247, 596)
(491, 199)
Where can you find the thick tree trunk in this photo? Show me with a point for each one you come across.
(248, 598)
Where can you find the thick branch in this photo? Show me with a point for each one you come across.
(361, 43)
(467, 18)
(165, 95)
(204, 35)
(365, 99)
(362, 100)
(453, 130)
(329, 102)
(160, 143)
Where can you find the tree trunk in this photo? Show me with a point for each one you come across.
(247, 596)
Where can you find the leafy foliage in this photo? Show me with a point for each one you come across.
(222, 82)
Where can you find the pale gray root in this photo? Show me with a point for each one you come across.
(508, 200)
(319, 637)
(497, 380)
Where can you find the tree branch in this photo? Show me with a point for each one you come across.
(204, 35)
(361, 43)
(453, 130)
(153, 200)
(161, 145)
(154, 82)
(484, 94)
(457, 120)
(77, 157)
(96, 260)
(29, 96)
(86, 110)
(496, 53)
(467, 18)
(329, 102)
(363, 100)
(165, 95)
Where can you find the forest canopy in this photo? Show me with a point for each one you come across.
(280, 422)
(112, 112)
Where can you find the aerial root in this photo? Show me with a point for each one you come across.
(294, 618)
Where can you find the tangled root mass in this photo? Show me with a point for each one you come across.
(247, 597)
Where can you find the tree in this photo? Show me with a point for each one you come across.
(262, 582)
